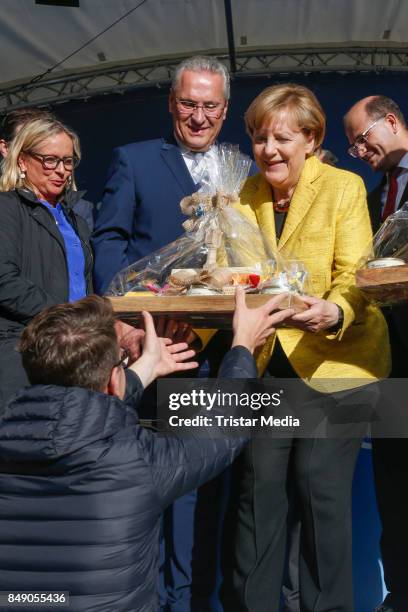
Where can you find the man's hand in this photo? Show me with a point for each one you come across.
(130, 339)
(252, 326)
(320, 315)
(176, 331)
(160, 356)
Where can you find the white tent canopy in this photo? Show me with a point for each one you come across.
(143, 47)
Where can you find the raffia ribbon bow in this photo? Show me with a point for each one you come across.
(198, 204)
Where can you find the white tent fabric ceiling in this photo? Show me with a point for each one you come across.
(35, 37)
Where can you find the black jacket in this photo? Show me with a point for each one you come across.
(33, 263)
(83, 487)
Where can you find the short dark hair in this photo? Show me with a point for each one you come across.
(379, 106)
(19, 117)
(71, 345)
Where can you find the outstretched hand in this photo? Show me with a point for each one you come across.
(252, 326)
(160, 356)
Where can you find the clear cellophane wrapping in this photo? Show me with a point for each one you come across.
(219, 249)
(382, 274)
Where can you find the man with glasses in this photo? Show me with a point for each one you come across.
(140, 209)
(378, 135)
(140, 213)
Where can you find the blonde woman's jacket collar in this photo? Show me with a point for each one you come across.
(327, 228)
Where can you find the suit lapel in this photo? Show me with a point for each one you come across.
(404, 197)
(302, 200)
(44, 217)
(374, 204)
(171, 155)
(265, 217)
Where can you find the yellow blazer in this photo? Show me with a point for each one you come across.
(328, 228)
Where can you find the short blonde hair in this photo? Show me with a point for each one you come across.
(299, 101)
(28, 139)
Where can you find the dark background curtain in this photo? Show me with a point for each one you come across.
(104, 122)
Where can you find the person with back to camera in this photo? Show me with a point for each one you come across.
(83, 484)
(318, 214)
(12, 124)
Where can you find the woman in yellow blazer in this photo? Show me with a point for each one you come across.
(318, 214)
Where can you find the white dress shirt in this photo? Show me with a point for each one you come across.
(200, 165)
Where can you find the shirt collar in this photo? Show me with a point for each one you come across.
(48, 205)
(191, 154)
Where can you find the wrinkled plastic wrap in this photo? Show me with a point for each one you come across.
(220, 247)
(391, 240)
(383, 272)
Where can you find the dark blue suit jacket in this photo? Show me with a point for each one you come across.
(140, 209)
(85, 209)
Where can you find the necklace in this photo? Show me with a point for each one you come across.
(282, 206)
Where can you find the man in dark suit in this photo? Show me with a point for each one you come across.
(140, 209)
(378, 134)
(139, 214)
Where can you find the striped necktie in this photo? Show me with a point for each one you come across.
(199, 170)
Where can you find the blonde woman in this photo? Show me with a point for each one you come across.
(45, 256)
(318, 214)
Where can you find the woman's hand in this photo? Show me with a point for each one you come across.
(252, 326)
(320, 315)
(160, 356)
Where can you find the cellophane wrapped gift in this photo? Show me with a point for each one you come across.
(383, 272)
(219, 249)
(391, 240)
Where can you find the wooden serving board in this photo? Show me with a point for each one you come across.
(384, 285)
(201, 311)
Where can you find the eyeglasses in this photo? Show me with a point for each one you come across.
(124, 361)
(51, 162)
(361, 140)
(210, 109)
